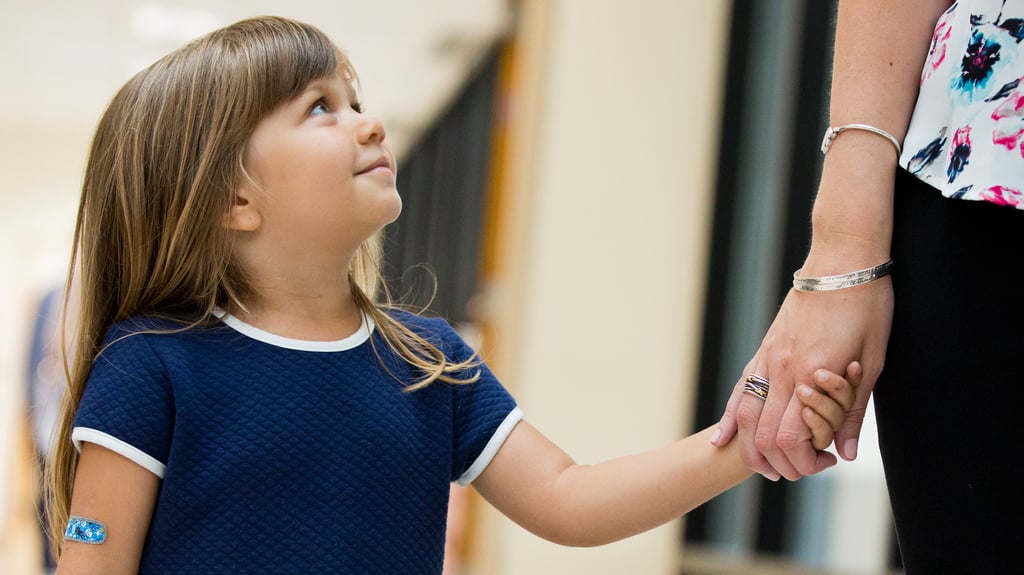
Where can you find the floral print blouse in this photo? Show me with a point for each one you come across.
(966, 136)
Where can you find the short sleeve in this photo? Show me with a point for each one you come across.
(484, 413)
(127, 405)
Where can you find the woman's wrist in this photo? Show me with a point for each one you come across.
(848, 242)
(842, 259)
(851, 222)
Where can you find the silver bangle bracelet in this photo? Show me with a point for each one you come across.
(831, 133)
(829, 283)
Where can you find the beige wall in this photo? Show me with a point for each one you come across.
(615, 122)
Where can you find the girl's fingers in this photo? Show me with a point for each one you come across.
(825, 411)
(821, 430)
(854, 373)
(823, 406)
(839, 389)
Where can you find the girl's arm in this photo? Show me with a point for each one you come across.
(120, 494)
(541, 488)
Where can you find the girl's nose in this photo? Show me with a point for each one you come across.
(371, 129)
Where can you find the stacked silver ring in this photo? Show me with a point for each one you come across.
(756, 385)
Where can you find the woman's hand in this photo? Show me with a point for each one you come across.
(811, 331)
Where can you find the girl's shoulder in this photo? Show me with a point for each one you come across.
(157, 325)
(434, 329)
(421, 324)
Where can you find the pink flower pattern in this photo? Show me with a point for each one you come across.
(972, 87)
(1009, 122)
(1003, 196)
(937, 52)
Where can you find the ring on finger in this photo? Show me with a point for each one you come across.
(756, 385)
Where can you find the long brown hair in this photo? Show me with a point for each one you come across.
(164, 163)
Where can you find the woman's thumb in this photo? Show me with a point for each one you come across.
(849, 434)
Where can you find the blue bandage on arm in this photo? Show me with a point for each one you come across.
(85, 531)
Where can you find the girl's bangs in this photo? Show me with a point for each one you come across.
(284, 59)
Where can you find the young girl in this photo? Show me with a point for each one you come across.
(239, 403)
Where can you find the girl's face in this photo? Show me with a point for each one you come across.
(326, 178)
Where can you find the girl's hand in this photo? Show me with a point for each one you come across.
(825, 410)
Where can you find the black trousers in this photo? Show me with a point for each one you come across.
(949, 401)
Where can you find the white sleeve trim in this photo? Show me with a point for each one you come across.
(492, 447)
(83, 434)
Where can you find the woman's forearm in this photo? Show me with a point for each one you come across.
(880, 49)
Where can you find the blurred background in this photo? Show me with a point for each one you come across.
(612, 194)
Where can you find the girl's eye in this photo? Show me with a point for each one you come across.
(319, 108)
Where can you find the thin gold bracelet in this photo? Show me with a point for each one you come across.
(841, 281)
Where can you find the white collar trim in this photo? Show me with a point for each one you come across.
(360, 336)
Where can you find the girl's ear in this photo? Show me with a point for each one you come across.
(243, 215)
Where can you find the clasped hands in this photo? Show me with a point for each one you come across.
(775, 433)
(810, 330)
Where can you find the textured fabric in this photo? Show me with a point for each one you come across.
(279, 459)
(966, 137)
